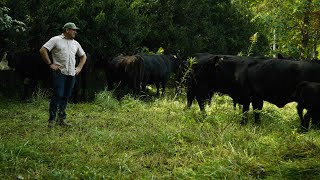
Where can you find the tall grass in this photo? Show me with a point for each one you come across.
(155, 139)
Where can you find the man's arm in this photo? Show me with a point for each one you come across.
(45, 56)
(82, 61)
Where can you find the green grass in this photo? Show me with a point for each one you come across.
(157, 139)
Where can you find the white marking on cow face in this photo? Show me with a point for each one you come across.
(4, 63)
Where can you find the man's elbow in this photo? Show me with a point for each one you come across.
(84, 57)
(42, 50)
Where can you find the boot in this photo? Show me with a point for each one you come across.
(50, 124)
(63, 123)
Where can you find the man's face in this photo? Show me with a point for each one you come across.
(71, 33)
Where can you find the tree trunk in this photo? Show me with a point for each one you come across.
(305, 32)
(274, 45)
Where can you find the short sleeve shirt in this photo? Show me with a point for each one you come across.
(64, 53)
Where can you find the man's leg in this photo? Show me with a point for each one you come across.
(58, 87)
(68, 87)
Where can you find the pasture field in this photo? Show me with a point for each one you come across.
(155, 139)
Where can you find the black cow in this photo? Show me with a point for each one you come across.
(271, 80)
(126, 71)
(198, 80)
(31, 67)
(276, 81)
(158, 69)
(224, 74)
(252, 80)
(205, 78)
(307, 95)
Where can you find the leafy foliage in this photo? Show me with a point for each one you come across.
(113, 27)
(292, 25)
(184, 27)
(8, 27)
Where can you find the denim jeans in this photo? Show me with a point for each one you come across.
(62, 89)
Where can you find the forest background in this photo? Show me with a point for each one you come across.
(184, 27)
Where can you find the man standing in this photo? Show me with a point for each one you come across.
(64, 49)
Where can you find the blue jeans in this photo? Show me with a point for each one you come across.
(62, 89)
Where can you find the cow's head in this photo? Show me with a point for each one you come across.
(177, 60)
(215, 66)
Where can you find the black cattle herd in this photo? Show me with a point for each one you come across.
(247, 80)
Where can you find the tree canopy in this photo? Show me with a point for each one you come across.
(112, 27)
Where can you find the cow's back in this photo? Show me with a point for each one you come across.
(159, 68)
(29, 64)
(126, 71)
(275, 80)
(32, 69)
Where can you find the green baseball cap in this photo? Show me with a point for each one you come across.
(70, 25)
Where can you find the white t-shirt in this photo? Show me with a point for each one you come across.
(64, 53)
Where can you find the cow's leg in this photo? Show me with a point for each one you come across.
(208, 98)
(305, 121)
(138, 85)
(130, 87)
(119, 91)
(109, 85)
(300, 111)
(163, 87)
(143, 85)
(201, 102)
(257, 107)
(158, 88)
(245, 113)
(190, 97)
(234, 104)
(133, 84)
(27, 92)
(33, 91)
(143, 88)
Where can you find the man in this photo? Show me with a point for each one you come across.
(63, 64)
